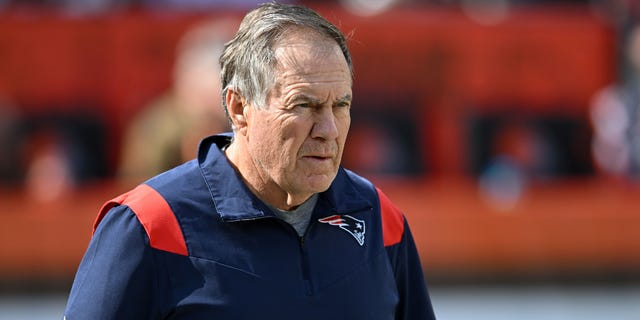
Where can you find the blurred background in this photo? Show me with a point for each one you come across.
(507, 130)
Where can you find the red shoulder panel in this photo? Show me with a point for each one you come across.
(154, 214)
(392, 220)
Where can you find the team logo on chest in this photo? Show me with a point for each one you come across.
(347, 223)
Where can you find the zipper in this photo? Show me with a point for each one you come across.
(304, 257)
(304, 265)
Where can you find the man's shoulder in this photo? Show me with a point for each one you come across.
(175, 180)
(183, 187)
(154, 214)
(364, 185)
(360, 183)
(161, 203)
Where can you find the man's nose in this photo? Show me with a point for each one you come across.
(325, 126)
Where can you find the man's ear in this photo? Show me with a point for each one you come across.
(235, 107)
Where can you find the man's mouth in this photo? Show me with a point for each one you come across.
(318, 157)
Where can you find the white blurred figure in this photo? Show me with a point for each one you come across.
(615, 116)
(49, 173)
(368, 7)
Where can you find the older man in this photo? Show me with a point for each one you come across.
(264, 223)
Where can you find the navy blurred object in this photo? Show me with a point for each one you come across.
(60, 151)
(9, 127)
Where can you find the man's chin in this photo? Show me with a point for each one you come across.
(319, 183)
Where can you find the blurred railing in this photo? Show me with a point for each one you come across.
(570, 229)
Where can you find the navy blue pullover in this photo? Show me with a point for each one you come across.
(195, 243)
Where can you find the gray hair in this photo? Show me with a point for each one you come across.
(248, 62)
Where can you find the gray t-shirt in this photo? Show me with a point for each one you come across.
(299, 217)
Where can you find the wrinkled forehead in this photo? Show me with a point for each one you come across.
(309, 62)
(301, 43)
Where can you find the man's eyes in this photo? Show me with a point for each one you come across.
(305, 105)
(302, 105)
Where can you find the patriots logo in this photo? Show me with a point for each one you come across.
(349, 224)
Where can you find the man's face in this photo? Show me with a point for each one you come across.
(296, 141)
